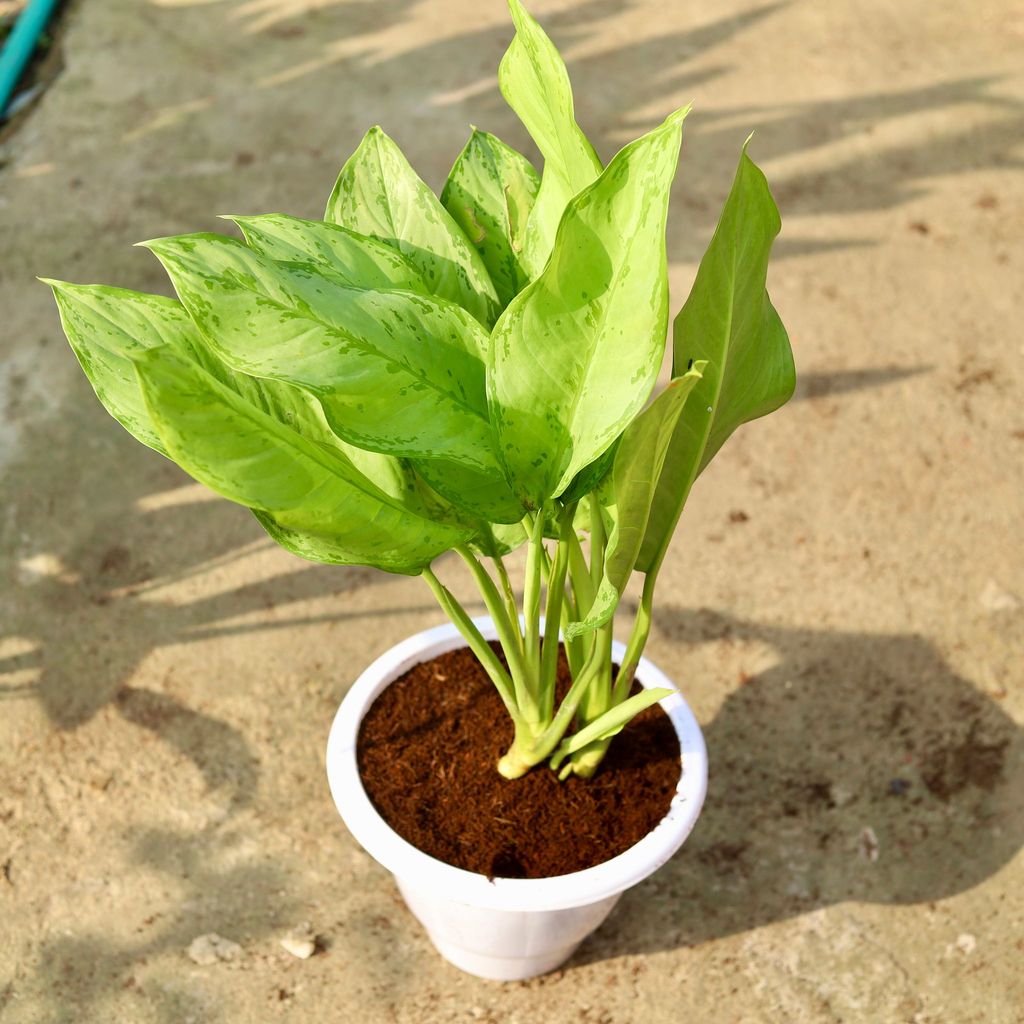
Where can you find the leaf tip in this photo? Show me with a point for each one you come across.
(678, 116)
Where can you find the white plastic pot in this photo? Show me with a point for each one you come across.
(506, 929)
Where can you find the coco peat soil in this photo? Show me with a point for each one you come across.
(427, 752)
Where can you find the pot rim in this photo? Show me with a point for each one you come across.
(557, 892)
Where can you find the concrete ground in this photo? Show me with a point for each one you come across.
(843, 605)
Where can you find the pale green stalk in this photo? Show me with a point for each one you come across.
(510, 597)
(508, 634)
(477, 644)
(531, 594)
(553, 616)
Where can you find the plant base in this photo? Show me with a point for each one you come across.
(503, 928)
(442, 727)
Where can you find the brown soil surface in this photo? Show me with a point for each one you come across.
(428, 749)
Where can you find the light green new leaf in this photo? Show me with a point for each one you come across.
(105, 327)
(638, 467)
(535, 83)
(235, 448)
(358, 260)
(729, 321)
(380, 195)
(490, 192)
(575, 355)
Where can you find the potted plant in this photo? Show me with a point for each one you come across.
(472, 373)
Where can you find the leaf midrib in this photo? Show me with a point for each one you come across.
(305, 447)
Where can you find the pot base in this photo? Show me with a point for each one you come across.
(505, 929)
(496, 968)
(503, 945)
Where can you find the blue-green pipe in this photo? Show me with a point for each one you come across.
(21, 44)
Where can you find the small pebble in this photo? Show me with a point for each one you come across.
(966, 943)
(869, 844)
(995, 598)
(212, 948)
(300, 941)
(840, 794)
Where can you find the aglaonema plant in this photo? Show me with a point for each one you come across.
(416, 375)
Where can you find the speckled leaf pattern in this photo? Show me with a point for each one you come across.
(105, 327)
(575, 355)
(247, 455)
(396, 372)
(639, 460)
(729, 321)
(479, 494)
(535, 83)
(490, 193)
(380, 195)
(358, 260)
(109, 327)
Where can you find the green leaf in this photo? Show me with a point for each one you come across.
(489, 193)
(478, 494)
(575, 355)
(358, 260)
(495, 540)
(105, 327)
(590, 478)
(729, 321)
(535, 83)
(228, 443)
(610, 724)
(635, 475)
(395, 372)
(380, 195)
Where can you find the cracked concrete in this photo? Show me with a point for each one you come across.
(842, 606)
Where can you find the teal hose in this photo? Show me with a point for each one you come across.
(21, 44)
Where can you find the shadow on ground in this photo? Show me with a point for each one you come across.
(347, 44)
(859, 767)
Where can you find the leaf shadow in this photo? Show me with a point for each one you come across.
(858, 767)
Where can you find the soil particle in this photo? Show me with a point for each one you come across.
(427, 754)
(212, 948)
(948, 770)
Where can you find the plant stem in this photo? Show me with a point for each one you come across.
(531, 596)
(508, 633)
(579, 573)
(477, 644)
(510, 596)
(598, 542)
(637, 639)
(553, 617)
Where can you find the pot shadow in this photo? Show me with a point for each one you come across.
(858, 767)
